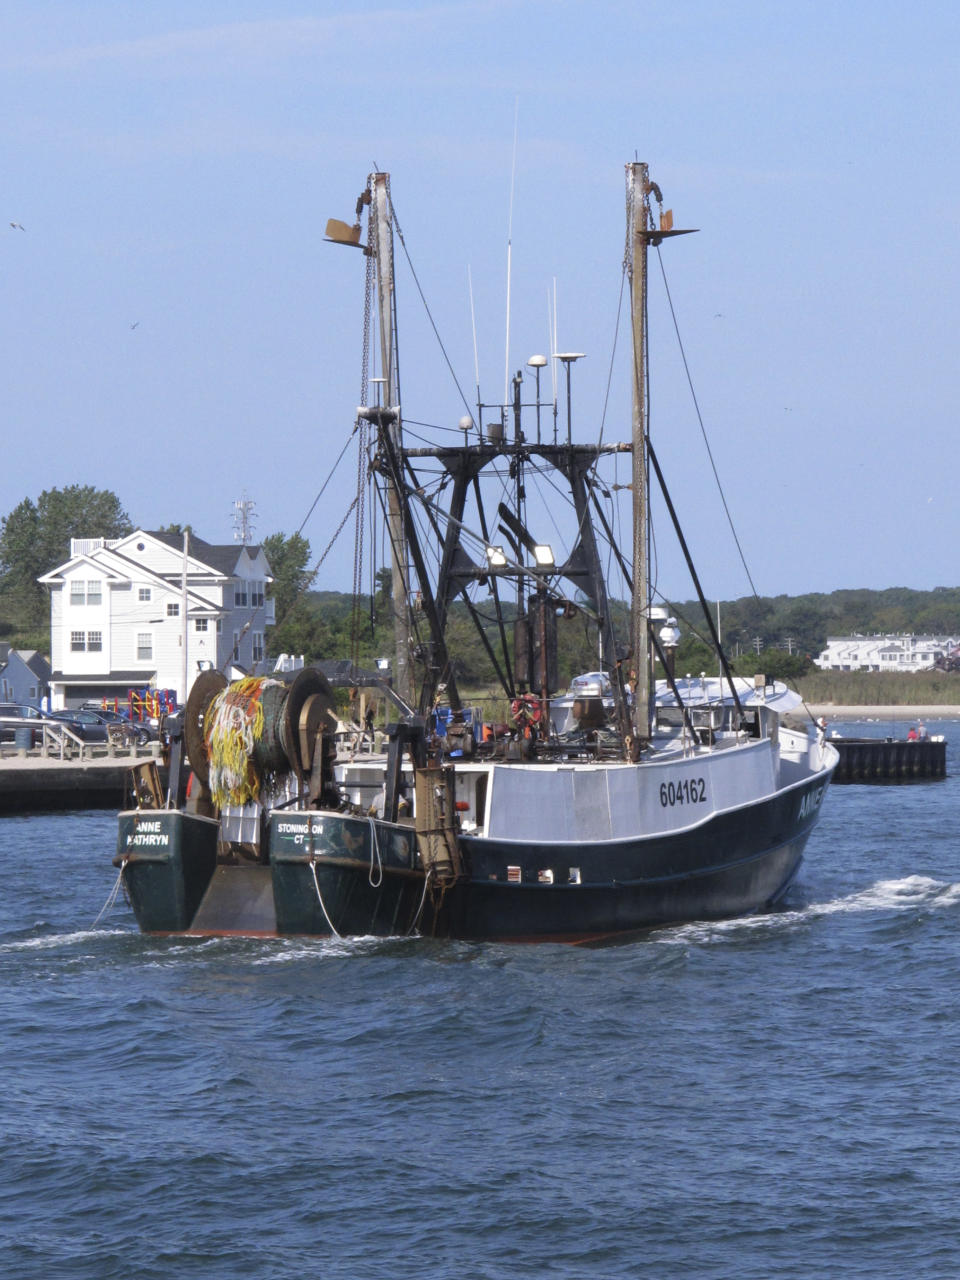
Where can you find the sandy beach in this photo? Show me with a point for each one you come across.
(838, 711)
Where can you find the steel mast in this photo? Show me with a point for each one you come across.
(641, 233)
(638, 217)
(379, 186)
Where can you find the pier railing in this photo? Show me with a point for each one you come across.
(54, 739)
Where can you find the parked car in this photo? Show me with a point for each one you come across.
(122, 716)
(89, 726)
(10, 732)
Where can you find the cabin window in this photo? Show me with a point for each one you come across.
(200, 624)
(173, 609)
(78, 641)
(143, 593)
(144, 645)
(480, 800)
(95, 641)
(514, 875)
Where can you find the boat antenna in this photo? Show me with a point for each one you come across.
(476, 357)
(552, 328)
(513, 176)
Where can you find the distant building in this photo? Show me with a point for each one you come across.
(24, 676)
(120, 615)
(884, 653)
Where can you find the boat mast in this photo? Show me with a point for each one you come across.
(382, 246)
(638, 221)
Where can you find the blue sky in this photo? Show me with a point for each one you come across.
(174, 327)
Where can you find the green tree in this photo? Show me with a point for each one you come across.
(288, 559)
(35, 538)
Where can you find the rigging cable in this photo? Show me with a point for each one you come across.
(443, 350)
(703, 430)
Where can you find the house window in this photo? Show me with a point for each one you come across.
(95, 641)
(240, 595)
(256, 595)
(219, 625)
(94, 592)
(78, 641)
(258, 646)
(144, 645)
(236, 646)
(173, 609)
(200, 624)
(143, 593)
(78, 592)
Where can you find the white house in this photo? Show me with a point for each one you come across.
(884, 653)
(138, 612)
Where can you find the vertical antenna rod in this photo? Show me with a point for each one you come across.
(513, 176)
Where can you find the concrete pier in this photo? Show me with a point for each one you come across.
(97, 778)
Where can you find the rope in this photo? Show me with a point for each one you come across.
(426, 306)
(316, 568)
(423, 898)
(703, 430)
(112, 896)
(316, 885)
(234, 726)
(375, 848)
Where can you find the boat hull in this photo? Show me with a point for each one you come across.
(335, 875)
(168, 858)
(732, 864)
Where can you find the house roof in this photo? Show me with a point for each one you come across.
(220, 556)
(37, 663)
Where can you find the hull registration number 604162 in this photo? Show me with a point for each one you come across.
(687, 791)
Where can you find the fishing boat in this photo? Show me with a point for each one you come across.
(657, 800)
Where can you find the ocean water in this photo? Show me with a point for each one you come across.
(773, 1096)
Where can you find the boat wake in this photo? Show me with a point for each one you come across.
(911, 893)
(48, 941)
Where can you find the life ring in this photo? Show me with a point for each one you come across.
(526, 710)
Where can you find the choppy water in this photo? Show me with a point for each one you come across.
(774, 1096)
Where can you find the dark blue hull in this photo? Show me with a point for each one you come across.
(733, 864)
(332, 874)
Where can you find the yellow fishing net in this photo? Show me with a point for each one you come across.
(234, 725)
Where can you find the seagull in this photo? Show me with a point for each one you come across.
(17, 227)
(135, 323)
